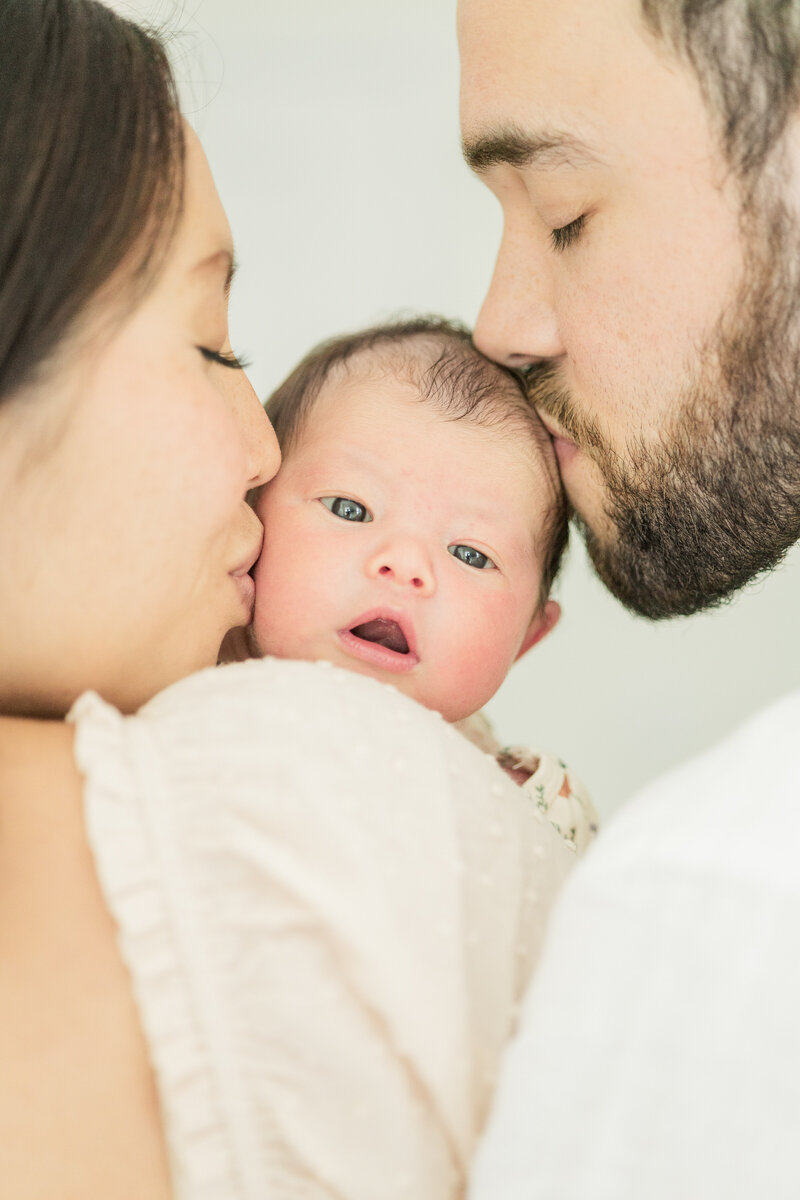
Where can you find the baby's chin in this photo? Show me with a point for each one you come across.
(417, 686)
(410, 685)
(256, 640)
(414, 686)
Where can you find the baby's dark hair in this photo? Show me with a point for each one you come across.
(441, 362)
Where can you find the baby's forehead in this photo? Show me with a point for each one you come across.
(323, 413)
(509, 451)
(453, 382)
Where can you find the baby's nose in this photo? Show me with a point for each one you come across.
(405, 564)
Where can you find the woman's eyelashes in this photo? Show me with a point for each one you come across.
(471, 556)
(564, 237)
(348, 510)
(225, 358)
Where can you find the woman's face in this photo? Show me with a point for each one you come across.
(125, 536)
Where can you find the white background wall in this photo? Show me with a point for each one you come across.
(332, 129)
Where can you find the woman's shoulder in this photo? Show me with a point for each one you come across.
(36, 756)
(49, 901)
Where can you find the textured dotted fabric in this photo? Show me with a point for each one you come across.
(330, 904)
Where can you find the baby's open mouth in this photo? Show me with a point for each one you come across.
(382, 642)
(382, 632)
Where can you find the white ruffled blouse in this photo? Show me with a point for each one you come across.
(329, 903)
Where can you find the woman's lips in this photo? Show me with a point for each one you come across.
(247, 589)
(243, 578)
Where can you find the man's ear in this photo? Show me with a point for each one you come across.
(546, 619)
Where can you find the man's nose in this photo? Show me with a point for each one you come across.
(518, 323)
(403, 563)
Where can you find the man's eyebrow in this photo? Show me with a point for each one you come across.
(517, 149)
(221, 259)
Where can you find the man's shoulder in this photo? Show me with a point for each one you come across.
(733, 809)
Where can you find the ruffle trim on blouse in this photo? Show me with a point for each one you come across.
(558, 794)
(134, 868)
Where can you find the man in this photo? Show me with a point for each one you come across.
(646, 156)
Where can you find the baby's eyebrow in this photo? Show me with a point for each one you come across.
(514, 147)
(347, 458)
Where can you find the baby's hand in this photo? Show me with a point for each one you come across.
(514, 769)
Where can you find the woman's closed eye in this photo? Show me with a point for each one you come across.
(348, 510)
(225, 358)
(472, 557)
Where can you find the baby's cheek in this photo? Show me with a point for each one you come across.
(275, 614)
(476, 676)
(490, 636)
(295, 595)
(471, 671)
(268, 633)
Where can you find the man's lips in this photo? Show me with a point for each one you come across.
(564, 447)
(382, 637)
(555, 433)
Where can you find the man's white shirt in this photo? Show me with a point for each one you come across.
(658, 1056)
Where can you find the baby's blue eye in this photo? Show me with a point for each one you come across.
(348, 510)
(470, 556)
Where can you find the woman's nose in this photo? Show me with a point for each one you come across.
(518, 324)
(263, 452)
(404, 563)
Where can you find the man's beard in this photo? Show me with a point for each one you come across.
(715, 500)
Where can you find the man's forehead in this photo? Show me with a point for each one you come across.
(551, 52)
(551, 18)
(565, 83)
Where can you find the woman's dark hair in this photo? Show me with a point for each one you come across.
(91, 169)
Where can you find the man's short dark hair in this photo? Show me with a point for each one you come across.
(439, 359)
(746, 55)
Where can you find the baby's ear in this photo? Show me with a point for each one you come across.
(546, 619)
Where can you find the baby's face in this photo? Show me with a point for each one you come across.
(404, 546)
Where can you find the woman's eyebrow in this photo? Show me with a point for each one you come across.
(221, 260)
(544, 148)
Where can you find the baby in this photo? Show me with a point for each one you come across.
(414, 530)
(412, 534)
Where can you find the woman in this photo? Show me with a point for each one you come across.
(215, 946)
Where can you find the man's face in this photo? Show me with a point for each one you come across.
(623, 281)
